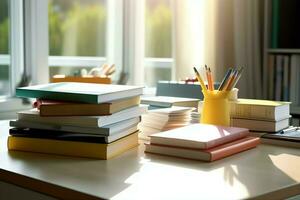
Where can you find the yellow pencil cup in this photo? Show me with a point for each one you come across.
(216, 108)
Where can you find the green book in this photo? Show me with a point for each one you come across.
(275, 23)
(79, 92)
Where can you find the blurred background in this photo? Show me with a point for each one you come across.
(152, 40)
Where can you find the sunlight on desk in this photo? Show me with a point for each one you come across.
(289, 164)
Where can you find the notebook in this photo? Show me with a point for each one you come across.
(199, 136)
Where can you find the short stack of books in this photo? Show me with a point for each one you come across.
(157, 120)
(260, 115)
(78, 119)
(201, 142)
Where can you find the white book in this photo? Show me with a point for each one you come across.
(83, 121)
(260, 125)
(165, 101)
(108, 130)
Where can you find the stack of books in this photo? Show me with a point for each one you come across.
(78, 119)
(260, 115)
(157, 120)
(201, 142)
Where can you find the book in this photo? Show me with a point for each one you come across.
(260, 109)
(163, 119)
(295, 80)
(260, 125)
(70, 136)
(73, 148)
(83, 121)
(286, 77)
(108, 130)
(278, 77)
(290, 138)
(271, 71)
(199, 136)
(79, 92)
(212, 154)
(62, 108)
(165, 101)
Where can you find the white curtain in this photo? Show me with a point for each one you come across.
(221, 34)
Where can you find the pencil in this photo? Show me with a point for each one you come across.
(200, 79)
(240, 70)
(231, 79)
(211, 80)
(225, 79)
(207, 78)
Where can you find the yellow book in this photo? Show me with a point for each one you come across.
(72, 148)
(260, 109)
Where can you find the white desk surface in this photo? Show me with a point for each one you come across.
(266, 172)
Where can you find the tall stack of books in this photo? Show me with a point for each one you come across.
(201, 142)
(157, 120)
(78, 119)
(260, 115)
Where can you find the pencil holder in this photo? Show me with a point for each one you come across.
(216, 108)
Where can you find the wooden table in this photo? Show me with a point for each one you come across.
(266, 172)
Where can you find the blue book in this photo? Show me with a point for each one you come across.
(79, 92)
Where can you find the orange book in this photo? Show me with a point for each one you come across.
(212, 154)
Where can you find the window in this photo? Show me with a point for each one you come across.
(4, 48)
(158, 41)
(77, 35)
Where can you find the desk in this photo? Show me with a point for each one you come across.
(266, 172)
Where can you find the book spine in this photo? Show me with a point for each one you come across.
(234, 148)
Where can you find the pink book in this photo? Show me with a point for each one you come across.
(199, 136)
(212, 154)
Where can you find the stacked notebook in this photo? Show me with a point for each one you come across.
(157, 120)
(260, 115)
(78, 119)
(201, 142)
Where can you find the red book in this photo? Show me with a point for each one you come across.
(211, 154)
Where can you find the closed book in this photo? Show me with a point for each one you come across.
(288, 137)
(271, 75)
(79, 92)
(260, 125)
(108, 130)
(279, 77)
(70, 136)
(212, 154)
(286, 78)
(260, 109)
(83, 121)
(61, 108)
(294, 80)
(165, 101)
(73, 148)
(199, 136)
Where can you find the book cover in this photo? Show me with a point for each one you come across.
(212, 154)
(260, 109)
(165, 101)
(286, 78)
(260, 125)
(107, 130)
(200, 136)
(278, 77)
(79, 92)
(73, 148)
(70, 136)
(271, 71)
(62, 108)
(83, 121)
